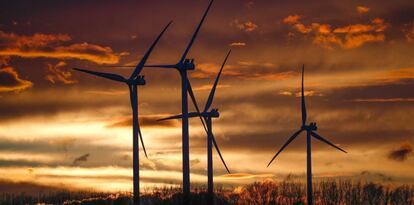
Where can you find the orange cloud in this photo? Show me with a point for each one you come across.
(302, 28)
(107, 92)
(58, 75)
(247, 26)
(298, 94)
(54, 46)
(11, 82)
(207, 70)
(351, 36)
(309, 93)
(397, 75)
(362, 9)
(377, 25)
(291, 19)
(322, 28)
(359, 40)
(4, 60)
(285, 93)
(238, 44)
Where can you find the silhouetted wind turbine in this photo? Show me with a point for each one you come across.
(310, 131)
(133, 81)
(207, 116)
(183, 66)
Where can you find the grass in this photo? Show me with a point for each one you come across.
(273, 193)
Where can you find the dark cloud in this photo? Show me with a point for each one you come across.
(82, 158)
(51, 103)
(401, 153)
(28, 188)
(25, 163)
(63, 151)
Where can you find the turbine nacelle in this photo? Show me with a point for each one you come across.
(188, 64)
(311, 127)
(140, 80)
(214, 113)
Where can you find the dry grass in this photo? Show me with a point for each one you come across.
(263, 193)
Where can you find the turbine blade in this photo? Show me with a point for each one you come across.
(285, 145)
(304, 114)
(171, 117)
(119, 66)
(326, 141)
(160, 66)
(193, 99)
(133, 96)
(213, 89)
(109, 76)
(142, 141)
(144, 59)
(195, 33)
(190, 115)
(218, 151)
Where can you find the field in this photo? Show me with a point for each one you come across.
(263, 193)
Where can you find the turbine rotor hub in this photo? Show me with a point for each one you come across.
(311, 127)
(214, 113)
(140, 80)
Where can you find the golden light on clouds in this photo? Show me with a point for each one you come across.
(58, 75)
(53, 46)
(362, 9)
(350, 36)
(11, 82)
(241, 44)
(247, 26)
(65, 129)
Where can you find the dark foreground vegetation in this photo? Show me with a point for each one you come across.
(263, 193)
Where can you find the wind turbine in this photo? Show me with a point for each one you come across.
(207, 116)
(133, 81)
(310, 131)
(183, 66)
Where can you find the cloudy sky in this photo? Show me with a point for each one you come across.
(66, 129)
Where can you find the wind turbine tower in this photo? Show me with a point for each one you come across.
(132, 82)
(207, 116)
(182, 67)
(310, 132)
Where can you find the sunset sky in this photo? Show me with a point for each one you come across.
(60, 128)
